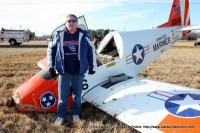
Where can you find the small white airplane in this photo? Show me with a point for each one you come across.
(145, 105)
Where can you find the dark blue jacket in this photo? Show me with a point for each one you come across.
(86, 52)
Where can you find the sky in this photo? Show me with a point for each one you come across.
(43, 16)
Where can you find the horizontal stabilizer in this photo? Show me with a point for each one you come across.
(187, 28)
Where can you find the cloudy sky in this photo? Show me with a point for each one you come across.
(43, 16)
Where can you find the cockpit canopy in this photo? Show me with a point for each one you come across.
(109, 48)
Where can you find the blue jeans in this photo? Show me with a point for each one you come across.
(63, 93)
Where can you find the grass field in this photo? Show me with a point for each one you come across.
(179, 65)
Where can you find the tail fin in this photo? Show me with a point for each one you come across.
(179, 15)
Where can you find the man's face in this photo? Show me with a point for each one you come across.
(71, 23)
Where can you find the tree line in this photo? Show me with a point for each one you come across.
(101, 33)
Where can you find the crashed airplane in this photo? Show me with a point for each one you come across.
(146, 105)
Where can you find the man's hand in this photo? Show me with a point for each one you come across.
(91, 72)
(52, 72)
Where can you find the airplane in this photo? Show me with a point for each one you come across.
(145, 105)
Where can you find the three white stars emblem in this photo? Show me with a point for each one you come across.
(48, 100)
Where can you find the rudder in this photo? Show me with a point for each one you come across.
(179, 15)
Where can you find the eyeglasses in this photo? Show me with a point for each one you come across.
(73, 21)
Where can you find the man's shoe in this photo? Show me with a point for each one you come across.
(59, 121)
(76, 121)
(76, 118)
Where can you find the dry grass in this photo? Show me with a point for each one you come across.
(36, 42)
(184, 43)
(33, 42)
(179, 65)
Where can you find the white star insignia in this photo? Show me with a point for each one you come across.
(186, 103)
(138, 54)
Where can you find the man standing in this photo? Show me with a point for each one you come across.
(71, 54)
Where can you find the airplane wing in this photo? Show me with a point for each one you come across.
(42, 63)
(149, 106)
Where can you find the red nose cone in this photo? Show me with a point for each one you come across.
(38, 94)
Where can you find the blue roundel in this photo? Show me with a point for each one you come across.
(184, 105)
(138, 54)
(47, 100)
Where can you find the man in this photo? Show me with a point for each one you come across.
(71, 54)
